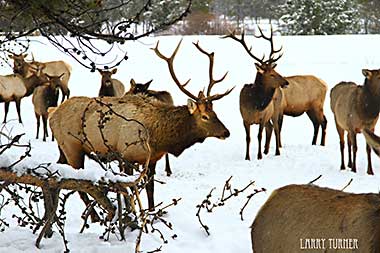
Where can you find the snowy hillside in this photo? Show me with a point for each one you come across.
(210, 164)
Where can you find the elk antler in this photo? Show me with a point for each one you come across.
(248, 49)
(169, 61)
(272, 50)
(211, 77)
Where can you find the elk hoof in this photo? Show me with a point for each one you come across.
(342, 167)
(370, 172)
(259, 156)
(349, 165)
(353, 169)
(266, 151)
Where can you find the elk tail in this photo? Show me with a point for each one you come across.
(372, 140)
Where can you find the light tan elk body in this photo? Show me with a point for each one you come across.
(45, 96)
(110, 87)
(295, 213)
(172, 129)
(261, 101)
(14, 87)
(53, 68)
(356, 108)
(163, 96)
(306, 94)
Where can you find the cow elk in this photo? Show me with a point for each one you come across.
(110, 87)
(163, 96)
(171, 129)
(45, 96)
(261, 101)
(53, 68)
(14, 87)
(356, 108)
(307, 218)
(306, 93)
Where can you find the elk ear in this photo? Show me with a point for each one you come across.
(114, 71)
(192, 106)
(133, 83)
(367, 73)
(148, 84)
(10, 56)
(259, 69)
(25, 55)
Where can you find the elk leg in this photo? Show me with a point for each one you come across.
(277, 134)
(341, 142)
(324, 127)
(259, 138)
(18, 108)
(167, 166)
(38, 124)
(62, 158)
(315, 122)
(150, 185)
(247, 128)
(280, 121)
(349, 146)
(44, 121)
(6, 109)
(355, 149)
(369, 168)
(268, 132)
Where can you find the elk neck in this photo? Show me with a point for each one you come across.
(260, 94)
(31, 83)
(107, 90)
(176, 130)
(370, 99)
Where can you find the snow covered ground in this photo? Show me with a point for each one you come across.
(208, 165)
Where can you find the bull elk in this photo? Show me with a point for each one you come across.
(110, 87)
(261, 101)
(14, 87)
(163, 96)
(171, 129)
(356, 108)
(53, 68)
(307, 218)
(306, 93)
(45, 96)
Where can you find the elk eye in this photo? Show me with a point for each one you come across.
(205, 117)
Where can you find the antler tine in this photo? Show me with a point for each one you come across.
(272, 50)
(211, 67)
(169, 61)
(219, 96)
(242, 42)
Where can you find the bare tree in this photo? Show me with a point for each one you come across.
(75, 26)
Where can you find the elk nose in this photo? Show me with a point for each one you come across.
(226, 134)
(285, 84)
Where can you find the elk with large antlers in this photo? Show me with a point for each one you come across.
(53, 68)
(171, 129)
(163, 96)
(261, 101)
(356, 109)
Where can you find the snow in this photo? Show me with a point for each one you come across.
(210, 164)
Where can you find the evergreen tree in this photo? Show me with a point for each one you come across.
(320, 17)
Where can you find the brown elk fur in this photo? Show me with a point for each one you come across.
(297, 212)
(172, 129)
(45, 96)
(260, 102)
(110, 87)
(306, 94)
(15, 87)
(356, 108)
(163, 96)
(52, 68)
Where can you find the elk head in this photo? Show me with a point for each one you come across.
(20, 66)
(372, 80)
(139, 87)
(106, 76)
(55, 81)
(200, 107)
(265, 68)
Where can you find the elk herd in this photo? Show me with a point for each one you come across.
(172, 129)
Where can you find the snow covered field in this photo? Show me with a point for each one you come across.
(208, 165)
